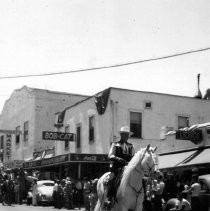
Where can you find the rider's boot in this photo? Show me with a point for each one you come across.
(108, 201)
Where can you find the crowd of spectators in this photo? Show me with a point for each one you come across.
(172, 192)
(13, 189)
(68, 193)
(72, 194)
(162, 193)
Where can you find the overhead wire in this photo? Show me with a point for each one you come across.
(106, 67)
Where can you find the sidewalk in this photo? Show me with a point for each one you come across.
(24, 207)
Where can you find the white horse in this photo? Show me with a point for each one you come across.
(130, 191)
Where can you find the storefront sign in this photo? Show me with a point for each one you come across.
(8, 145)
(89, 157)
(67, 158)
(58, 136)
(14, 164)
(48, 161)
(54, 160)
(195, 136)
(10, 131)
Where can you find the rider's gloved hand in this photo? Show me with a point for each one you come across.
(122, 161)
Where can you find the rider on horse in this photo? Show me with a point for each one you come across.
(120, 154)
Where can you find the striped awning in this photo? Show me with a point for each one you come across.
(172, 160)
(202, 156)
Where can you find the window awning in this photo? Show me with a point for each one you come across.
(173, 159)
(202, 156)
(28, 159)
(191, 128)
(38, 158)
(48, 156)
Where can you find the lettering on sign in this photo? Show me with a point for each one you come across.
(8, 145)
(10, 131)
(48, 161)
(90, 158)
(195, 136)
(58, 136)
(14, 164)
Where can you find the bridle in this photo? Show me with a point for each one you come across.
(137, 192)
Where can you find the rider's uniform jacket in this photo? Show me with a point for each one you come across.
(119, 151)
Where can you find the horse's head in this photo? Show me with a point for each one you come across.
(149, 160)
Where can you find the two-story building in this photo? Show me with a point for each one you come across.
(25, 115)
(96, 121)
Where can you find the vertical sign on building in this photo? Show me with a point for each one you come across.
(1, 148)
(8, 145)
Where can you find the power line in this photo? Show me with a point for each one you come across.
(109, 66)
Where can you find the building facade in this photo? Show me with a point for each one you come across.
(96, 121)
(146, 113)
(25, 115)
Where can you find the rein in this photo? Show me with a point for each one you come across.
(139, 172)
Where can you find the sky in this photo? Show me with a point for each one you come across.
(50, 36)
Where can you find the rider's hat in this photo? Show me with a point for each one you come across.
(125, 129)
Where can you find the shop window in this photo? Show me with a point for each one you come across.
(17, 137)
(66, 143)
(91, 128)
(25, 131)
(183, 122)
(136, 124)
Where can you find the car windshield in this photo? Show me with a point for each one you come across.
(203, 185)
(46, 184)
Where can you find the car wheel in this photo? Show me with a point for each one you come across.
(37, 201)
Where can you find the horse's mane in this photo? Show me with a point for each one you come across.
(131, 166)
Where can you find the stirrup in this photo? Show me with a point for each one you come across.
(107, 204)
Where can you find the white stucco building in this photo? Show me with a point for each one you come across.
(145, 112)
(30, 111)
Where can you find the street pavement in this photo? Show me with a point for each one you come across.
(24, 207)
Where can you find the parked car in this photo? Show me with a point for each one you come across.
(44, 191)
(204, 180)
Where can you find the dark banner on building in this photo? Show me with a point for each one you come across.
(101, 101)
